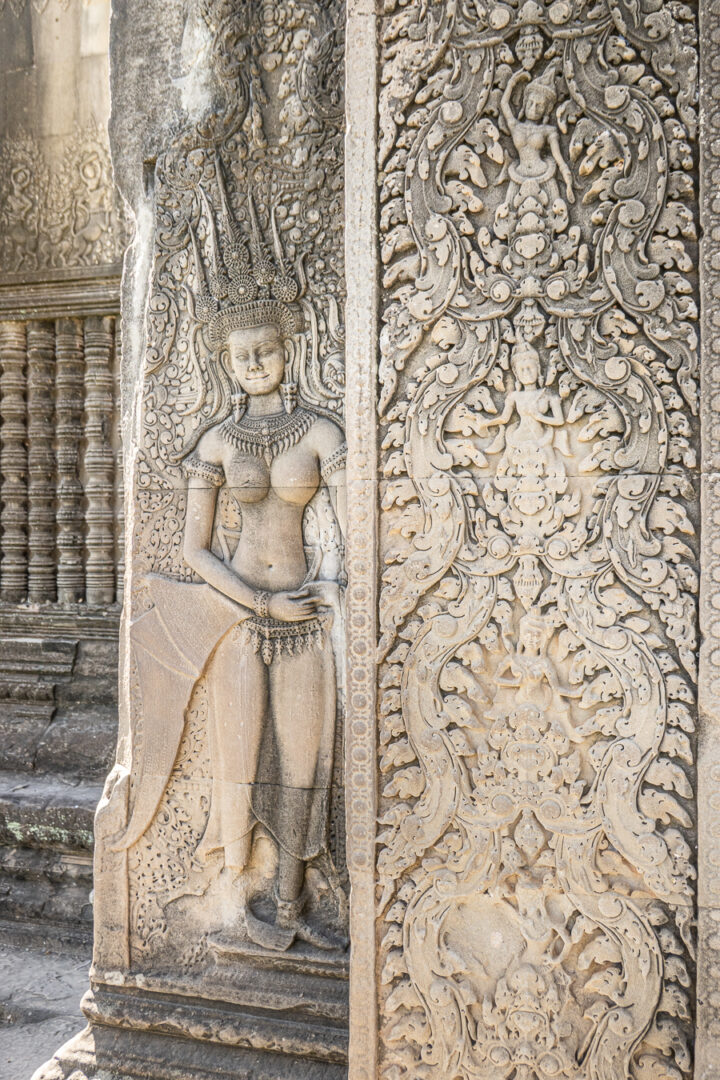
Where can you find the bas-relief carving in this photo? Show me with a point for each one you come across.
(58, 212)
(235, 828)
(538, 382)
(707, 1042)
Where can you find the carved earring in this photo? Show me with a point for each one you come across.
(239, 404)
(289, 395)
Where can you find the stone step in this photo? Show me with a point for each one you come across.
(46, 842)
(47, 811)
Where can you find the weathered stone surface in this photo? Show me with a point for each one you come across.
(538, 504)
(220, 864)
(61, 241)
(41, 981)
(58, 208)
(524, 502)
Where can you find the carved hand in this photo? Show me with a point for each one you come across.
(293, 606)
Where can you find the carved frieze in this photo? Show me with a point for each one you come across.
(538, 616)
(60, 211)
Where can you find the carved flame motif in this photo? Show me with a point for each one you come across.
(538, 370)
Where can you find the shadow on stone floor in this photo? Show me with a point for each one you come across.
(41, 985)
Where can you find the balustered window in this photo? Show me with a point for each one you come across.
(61, 508)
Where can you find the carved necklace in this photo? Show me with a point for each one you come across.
(267, 436)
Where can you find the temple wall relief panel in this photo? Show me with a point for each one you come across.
(434, 711)
(538, 508)
(221, 871)
(62, 236)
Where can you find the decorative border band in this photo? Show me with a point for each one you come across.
(361, 549)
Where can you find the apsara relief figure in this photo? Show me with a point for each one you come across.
(534, 210)
(534, 138)
(530, 469)
(538, 410)
(531, 675)
(259, 629)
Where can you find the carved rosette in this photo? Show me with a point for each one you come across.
(538, 616)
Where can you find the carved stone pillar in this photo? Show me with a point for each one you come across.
(41, 461)
(492, 603)
(13, 462)
(99, 463)
(220, 874)
(69, 405)
(537, 523)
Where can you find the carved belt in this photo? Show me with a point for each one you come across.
(271, 637)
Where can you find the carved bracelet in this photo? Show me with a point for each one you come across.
(260, 603)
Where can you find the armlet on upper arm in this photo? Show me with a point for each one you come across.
(333, 462)
(193, 465)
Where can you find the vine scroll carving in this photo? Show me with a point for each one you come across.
(538, 384)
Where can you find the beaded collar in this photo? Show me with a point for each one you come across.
(268, 436)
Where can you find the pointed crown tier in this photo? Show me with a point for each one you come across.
(243, 285)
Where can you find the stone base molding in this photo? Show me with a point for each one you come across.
(155, 1033)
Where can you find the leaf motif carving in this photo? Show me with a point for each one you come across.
(538, 382)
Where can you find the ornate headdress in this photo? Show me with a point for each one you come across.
(244, 285)
(524, 348)
(545, 85)
(530, 44)
(535, 620)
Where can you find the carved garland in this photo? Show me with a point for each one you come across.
(538, 617)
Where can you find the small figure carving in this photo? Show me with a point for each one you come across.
(529, 467)
(91, 207)
(529, 671)
(533, 136)
(533, 211)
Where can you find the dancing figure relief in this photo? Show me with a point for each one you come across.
(529, 465)
(536, 142)
(532, 677)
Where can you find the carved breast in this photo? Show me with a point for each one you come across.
(248, 477)
(293, 476)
